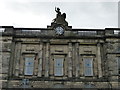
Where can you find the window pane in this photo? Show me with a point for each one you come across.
(88, 63)
(28, 70)
(29, 65)
(59, 63)
(58, 67)
(88, 67)
(29, 62)
(58, 71)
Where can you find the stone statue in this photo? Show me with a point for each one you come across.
(64, 15)
(60, 18)
(58, 11)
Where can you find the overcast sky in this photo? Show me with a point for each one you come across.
(40, 13)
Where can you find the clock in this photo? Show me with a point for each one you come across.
(59, 30)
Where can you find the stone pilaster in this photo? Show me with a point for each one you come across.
(47, 59)
(22, 63)
(77, 63)
(51, 65)
(40, 55)
(70, 60)
(99, 60)
(103, 59)
(44, 59)
(12, 58)
(106, 62)
(17, 58)
(73, 59)
(81, 61)
(66, 66)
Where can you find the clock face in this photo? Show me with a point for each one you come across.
(59, 30)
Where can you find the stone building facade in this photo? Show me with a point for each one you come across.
(60, 57)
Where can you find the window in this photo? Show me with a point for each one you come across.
(58, 67)
(88, 66)
(29, 65)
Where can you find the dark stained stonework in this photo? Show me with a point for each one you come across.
(72, 48)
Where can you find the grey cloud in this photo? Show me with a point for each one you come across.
(79, 14)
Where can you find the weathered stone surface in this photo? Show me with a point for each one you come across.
(102, 46)
(70, 60)
(99, 60)
(5, 62)
(40, 60)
